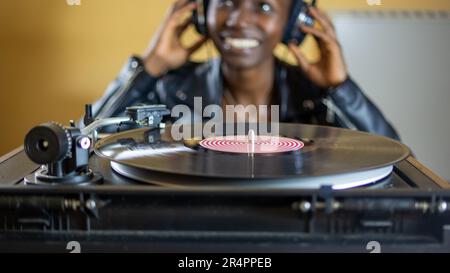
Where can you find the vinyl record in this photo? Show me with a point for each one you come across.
(313, 151)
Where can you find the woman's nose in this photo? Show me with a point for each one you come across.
(240, 18)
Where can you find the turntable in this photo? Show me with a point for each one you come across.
(310, 188)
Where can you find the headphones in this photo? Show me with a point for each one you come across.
(299, 15)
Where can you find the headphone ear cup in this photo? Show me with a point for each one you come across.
(200, 16)
(299, 15)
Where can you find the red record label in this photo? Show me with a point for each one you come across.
(245, 145)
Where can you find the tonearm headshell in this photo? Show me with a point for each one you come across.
(63, 151)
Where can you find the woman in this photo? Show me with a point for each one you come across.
(246, 32)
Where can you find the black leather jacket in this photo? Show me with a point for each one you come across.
(299, 99)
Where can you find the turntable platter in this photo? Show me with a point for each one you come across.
(327, 151)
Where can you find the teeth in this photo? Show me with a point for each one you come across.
(241, 43)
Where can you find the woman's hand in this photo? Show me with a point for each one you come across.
(331, 70)
(166, 51)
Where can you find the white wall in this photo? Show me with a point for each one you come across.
(402, 62)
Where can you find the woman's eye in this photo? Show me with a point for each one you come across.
(226, 3)
(265, 7)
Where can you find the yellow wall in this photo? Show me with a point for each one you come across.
(54, 58)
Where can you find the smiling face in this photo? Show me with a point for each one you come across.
(247, 31)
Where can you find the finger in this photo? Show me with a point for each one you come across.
(183, 26)
(189, 6)
(318, 34)
(179, 4)
(324, 15)
(300, 57)
(319, 17)
(197, 45)
(178, 14)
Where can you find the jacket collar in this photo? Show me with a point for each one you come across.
(215, 82)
